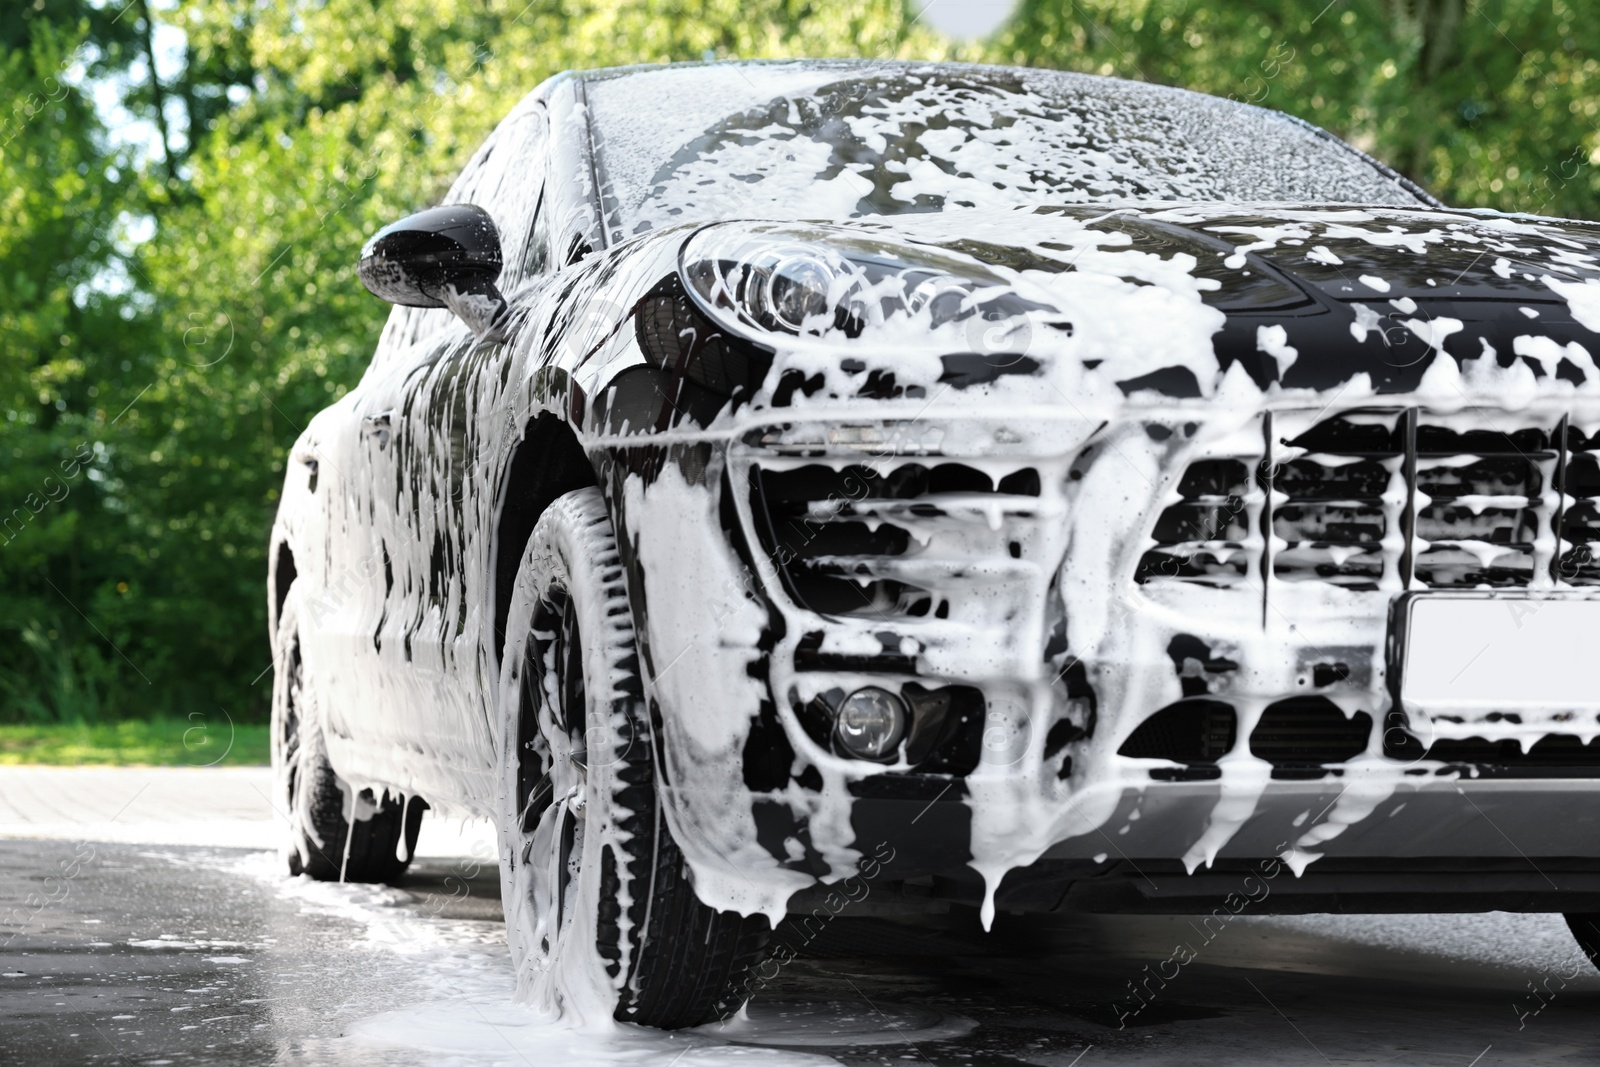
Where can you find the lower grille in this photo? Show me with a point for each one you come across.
(1301, 734)
(1305, 733)
(1559, 750)
(1554, 755)
(1193, 732)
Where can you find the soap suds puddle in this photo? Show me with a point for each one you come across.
(453, 981)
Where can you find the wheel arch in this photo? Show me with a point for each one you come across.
(547, 463)
(281, 573)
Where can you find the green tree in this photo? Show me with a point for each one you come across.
(63, 203)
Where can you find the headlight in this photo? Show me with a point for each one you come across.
(759, 279)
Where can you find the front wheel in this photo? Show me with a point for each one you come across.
(600, 913)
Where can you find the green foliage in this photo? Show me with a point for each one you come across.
(171, 320)
(63, 195)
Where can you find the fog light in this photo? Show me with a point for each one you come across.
(871, 722)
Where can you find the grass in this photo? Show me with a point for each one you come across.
(136, 743)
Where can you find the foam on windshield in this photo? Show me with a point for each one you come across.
(826, 141)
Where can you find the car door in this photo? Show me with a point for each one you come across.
(427, 475)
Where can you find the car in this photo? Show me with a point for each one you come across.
(780, 484)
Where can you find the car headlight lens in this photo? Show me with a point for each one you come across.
(871, 722)
(798, 288)
(758, 279)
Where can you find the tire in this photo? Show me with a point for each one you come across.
(1585, 927)
(336, 833)
(601, 915)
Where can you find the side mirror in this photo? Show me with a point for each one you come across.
(441, 257)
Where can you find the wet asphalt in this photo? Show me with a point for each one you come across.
(169, 955)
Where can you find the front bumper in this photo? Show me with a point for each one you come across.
(1013, 596)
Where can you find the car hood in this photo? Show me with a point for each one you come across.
(1301, 298)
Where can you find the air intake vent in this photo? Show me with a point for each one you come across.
(1192, 732)
(1307, 732)
(889, 540)
(1556, 755)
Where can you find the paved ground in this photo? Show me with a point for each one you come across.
(173, 806)
(135, 954)
(139, 953)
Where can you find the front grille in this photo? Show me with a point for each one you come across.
(1578, 561)
(889, 540)
(1338, 496)
(1206, 536)
(1480, 505)
(1388, 498)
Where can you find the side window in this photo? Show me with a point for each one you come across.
(510, 186)
(536, 260)
(506, 178)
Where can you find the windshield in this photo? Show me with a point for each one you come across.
(838, 140)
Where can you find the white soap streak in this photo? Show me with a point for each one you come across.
(1265, 237)
(1433, 332)
(476, 1031)
(703, 676)
(1583, 297)
(1498, 939)
(1368, 781)
(784, 1021)
(173, 941)
(1244, 779)
(1274, 341)
(1570, 262)
(1548, 353)
(1366, 321)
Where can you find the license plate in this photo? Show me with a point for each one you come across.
(1501, 653)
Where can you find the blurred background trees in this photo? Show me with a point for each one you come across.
(1487, 103)
(186, 184)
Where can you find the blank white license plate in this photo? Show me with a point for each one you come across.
(1501, 653)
